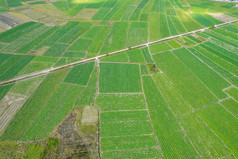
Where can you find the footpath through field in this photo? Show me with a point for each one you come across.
(46, 71)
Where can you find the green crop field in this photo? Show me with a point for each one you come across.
(80, 74)
(118, 79)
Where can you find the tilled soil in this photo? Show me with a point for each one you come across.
(72, 143)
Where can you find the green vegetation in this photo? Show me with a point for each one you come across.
(16, 67)
(116, 38)
(26, 87)
(167, 128)
(187, 84)
(88, 95)
(108, 102)
(171, 99)
(233, 92)
(119, 78)
(222, 123)
(210, 78)
(80, 74)
(5, 89)
(160, 47)
(125, 123)
(122, 57)
(30, 109)
(136, 56)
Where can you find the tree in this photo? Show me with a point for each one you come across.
(211, 27)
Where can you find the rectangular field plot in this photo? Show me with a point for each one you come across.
(226, 33)
(160, 47)
(171, 95)
(16, 29)
(4, 57)
(154, 26)
(26, 87)
(101, 13)
(125, 123)
(55, 36)
(121, 57)
(203, 138)
(214, 64)
(185, 82)
(9, 63)
(223, 123)
(74, 54)
(107, 102)
(75, 32)
(233, 92)
(116, 39)
(56, 50)
(128, 142)
(137, 34)
(80, 74)
(188, 21)
(177, 24)
(136, 56)
(146, 54)
(88, 95)
(208, 76)
(100, 33)
(231, 106)
(163, 26)
(14, 67)
(34, 67)
(217, 57)
(170, 134)
(80, 45)
(222, 53)
(119, 78)
(202, 19)
(4, 90)
(137, 153)
(171, 26)
(26, 48)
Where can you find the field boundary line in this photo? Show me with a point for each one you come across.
(231, 152)
(127, 110)
(148, 113)
(177, 120)
(128, 136)
(46, 71)
(133, 149)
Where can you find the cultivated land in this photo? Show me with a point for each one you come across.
(118, 79)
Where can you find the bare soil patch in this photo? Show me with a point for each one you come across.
(222, 17)
(9, 106)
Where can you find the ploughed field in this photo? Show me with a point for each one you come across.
(173, 99)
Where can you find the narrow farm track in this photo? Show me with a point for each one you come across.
(46, 71)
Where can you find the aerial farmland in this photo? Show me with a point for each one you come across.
(118, 79)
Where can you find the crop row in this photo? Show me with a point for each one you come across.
(201, 53)
(108, 102)
(209, 78)
(32, 106)
(88, 95)
(185, 81)
(55, 110)
(119, 78)
(80, 74)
